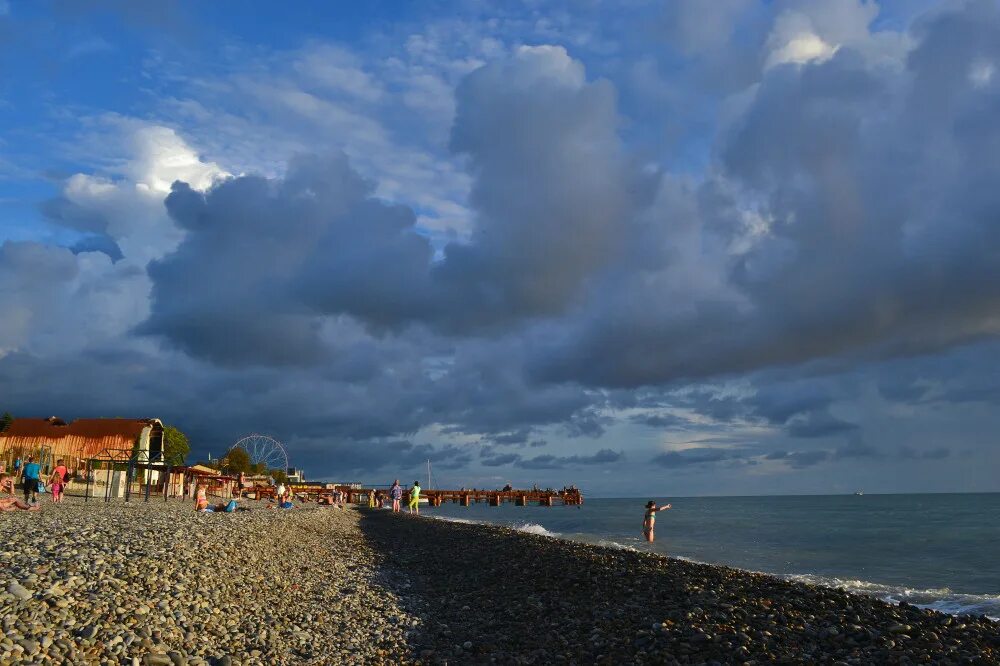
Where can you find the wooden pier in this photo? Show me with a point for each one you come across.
(464, 497)
(566, 497)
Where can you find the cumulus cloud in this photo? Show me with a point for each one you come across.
(877, 232)
(845, 216)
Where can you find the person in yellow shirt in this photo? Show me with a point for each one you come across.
(415, 498)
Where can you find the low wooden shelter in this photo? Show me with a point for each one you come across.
(76, 442)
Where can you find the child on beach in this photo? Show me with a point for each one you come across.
(396, 493)
(200, 498)
(58, 481)
(649, 522)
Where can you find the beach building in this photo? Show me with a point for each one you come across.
(76, 442)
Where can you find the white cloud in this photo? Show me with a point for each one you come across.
(803, 48)
(551, 64)
(336, 69)
(981, 73)
(161, 157)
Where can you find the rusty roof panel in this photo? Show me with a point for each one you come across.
(51, 428)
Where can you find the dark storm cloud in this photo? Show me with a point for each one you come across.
(60, 210)
(549, 461)
(849, 215)
(664, 421)
(937, 453)
(834, 156)
(803, 459)
(875, 243)
(552, 191)
(514, 438)
(856, 448)
(231, 292)
(799, 459)
(497, 461)
(99, 243)
(818, 424)
(704, 455)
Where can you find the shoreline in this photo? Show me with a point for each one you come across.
(959, 601)
(157, 583)
(554, 600)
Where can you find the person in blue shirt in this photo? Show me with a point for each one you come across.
(32, 471)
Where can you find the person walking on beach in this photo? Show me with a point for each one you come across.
(415, 498)
(58, 481)
(29, 481)
(396, 493)
(649, 522)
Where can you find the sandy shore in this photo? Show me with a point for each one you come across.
(158, 584)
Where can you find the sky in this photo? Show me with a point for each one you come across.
(647, 248)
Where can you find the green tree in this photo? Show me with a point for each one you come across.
(236, 460)
(175, 446)
(5, 421)
(279, 475)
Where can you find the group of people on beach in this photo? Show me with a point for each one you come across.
(379, 500)
(29, 473)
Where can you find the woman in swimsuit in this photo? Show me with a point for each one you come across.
(7, 501)
(649, 522)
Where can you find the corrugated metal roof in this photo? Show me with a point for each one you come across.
(76, 441)
(53, 428)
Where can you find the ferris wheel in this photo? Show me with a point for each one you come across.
(265, 450)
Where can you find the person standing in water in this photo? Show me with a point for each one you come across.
(649, 522)
(415, 498)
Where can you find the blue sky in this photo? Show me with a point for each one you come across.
(644, 247)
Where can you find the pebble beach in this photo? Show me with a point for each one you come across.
(157, 583)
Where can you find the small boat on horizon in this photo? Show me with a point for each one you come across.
(859, 492)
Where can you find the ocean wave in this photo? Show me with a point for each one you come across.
(528, 528)
(607, 543)
(449, 519)
(941, 599)
(533, 528)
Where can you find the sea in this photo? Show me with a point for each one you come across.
(939, 551)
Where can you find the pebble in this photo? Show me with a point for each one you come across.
(156, 583)
(577, 603)
(19, 592)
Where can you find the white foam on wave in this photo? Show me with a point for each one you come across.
(449, 519)
(533, 528)
(607, 543)
(939, 599)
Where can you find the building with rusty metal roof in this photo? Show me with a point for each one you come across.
(76, 442)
